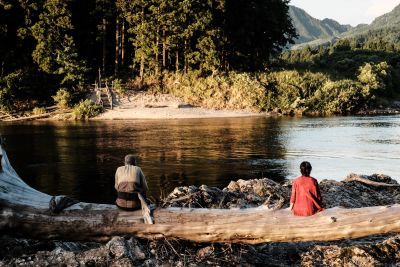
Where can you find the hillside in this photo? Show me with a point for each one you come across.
(386, 21)
(385, 26)
(310, 28)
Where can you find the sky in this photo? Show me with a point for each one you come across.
(351, 12)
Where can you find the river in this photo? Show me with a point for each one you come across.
(79, 158)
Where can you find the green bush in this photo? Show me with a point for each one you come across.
(376, 78)
(13, 87)
(38, 111)
(86, 109)
(337, 97)
(230, 91)
(7, 87)
(291, 89)
(63, 98)
(117, 86)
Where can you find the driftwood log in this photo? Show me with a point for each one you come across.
(24, 211)
(360, 179)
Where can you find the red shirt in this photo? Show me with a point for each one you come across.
(306, 197)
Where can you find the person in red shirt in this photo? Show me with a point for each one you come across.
(306, 198)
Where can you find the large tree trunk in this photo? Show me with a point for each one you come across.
(25, 212)
(123, 43)
(176, 61)
(164, 51)
(117, 45)
(104, 35)
(156, 66)
(185, 57)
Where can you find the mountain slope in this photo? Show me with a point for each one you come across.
(310, 28)
(388, 20)
(386, 27)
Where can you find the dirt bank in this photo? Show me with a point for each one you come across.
(143, 105)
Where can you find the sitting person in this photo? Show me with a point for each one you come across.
(129, 181)
(306, 198)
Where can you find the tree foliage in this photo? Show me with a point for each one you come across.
(371, 60)
(59, 39)
(55, 51)
(225, 53)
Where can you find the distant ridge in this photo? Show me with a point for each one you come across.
(310, 28)
(390, 21)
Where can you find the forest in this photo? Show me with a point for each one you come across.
(224, 53)
(363, 70)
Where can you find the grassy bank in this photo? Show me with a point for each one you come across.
(288, 91)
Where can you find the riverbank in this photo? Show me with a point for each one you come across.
(154, 105)
(143, 105)
(131, 251)
(147, 105)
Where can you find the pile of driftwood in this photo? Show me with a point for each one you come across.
(25, 211)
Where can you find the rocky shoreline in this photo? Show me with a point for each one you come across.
(131, 251)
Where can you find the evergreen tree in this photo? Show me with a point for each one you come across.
(256, 30)
(55, 51)
(13, 50)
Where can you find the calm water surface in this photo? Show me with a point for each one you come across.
(79, 159)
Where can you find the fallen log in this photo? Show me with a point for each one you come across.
(29, 118)
(25, 212)
(358, 178)
(50, 111)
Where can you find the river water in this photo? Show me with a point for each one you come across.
(79, 159)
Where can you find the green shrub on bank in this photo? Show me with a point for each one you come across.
(9, 86)
(317, 93)
(117, 86)
(337, 97)
(63, 98)
(38, 111)
(86, 109)
(20, 90)
(377, 78)
(291, 91)
(231, 91)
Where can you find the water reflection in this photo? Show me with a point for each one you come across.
(80, 159)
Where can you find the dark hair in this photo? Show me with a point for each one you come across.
(305, 168)
(130, 159)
